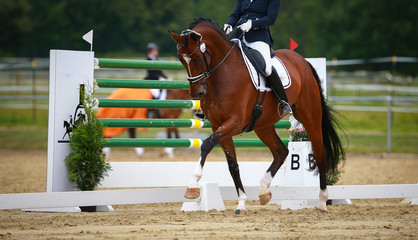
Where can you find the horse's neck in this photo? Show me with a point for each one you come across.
(231, 78)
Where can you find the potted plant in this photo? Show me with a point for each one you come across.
(86, 163)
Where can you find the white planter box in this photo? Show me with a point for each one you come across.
(297, 173)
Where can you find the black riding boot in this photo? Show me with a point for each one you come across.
(280, 93)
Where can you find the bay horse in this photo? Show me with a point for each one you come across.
(219, 78)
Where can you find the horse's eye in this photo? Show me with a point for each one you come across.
(178, 47)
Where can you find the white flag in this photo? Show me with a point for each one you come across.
(89, 38)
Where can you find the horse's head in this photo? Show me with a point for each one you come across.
(191, 51)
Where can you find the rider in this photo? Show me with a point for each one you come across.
(152, 54)
(253, 18)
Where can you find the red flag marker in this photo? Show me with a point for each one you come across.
(293, 45)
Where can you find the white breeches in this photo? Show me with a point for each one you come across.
(264, 49)
(159, 94)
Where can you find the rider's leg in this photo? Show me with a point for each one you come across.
(264, 49)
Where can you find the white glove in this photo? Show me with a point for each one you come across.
(245, 27)
(227, 29)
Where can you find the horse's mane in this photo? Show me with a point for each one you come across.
(210, 22)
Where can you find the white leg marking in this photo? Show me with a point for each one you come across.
(323, 197)
(265, 183)
(197, 174)
(242, 197)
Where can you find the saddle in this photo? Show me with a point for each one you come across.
(259, 64)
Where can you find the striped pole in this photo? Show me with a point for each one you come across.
(177, 143)
(146, 84)
(139, 64)
(164, 123)
(134, 103)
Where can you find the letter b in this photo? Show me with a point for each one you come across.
(295, 162)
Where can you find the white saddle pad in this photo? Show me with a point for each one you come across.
(277, 64)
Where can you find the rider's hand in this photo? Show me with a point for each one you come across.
(245, 27)
(227, 29)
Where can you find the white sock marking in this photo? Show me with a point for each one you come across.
(197, 174)
(242, 197)
(266, 180)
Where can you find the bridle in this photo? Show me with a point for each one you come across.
(202, 47)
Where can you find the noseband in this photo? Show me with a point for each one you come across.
(202, 47)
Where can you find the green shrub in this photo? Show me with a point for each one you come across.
(86, 163)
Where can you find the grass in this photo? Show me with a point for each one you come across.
(23, 137)
(23, 117)
(377, 121)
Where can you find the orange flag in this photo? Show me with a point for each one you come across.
(293, 45)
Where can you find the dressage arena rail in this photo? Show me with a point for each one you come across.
(167, 195)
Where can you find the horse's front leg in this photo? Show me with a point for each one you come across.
(225, 131)
(229, 150)
(193, 189)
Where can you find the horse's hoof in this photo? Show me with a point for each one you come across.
(322, 210)
(265, 198)
(192, 193)
(322, 207)
(240, 212)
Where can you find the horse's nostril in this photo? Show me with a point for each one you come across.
(195, 96)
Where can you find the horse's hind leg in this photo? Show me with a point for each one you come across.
(311, 121)
(315, 134)
(229, 150)
(269, 137)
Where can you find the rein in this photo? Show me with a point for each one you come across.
(202, 46)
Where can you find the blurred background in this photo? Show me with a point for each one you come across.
(370, 47)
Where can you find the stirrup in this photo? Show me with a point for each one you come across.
(286, 109)
(199, 115)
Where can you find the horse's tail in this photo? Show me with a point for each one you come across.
(333, 148)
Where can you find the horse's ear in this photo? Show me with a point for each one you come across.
(175, 36)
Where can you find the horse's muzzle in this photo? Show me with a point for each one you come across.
(198, 95)
(197, 91)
